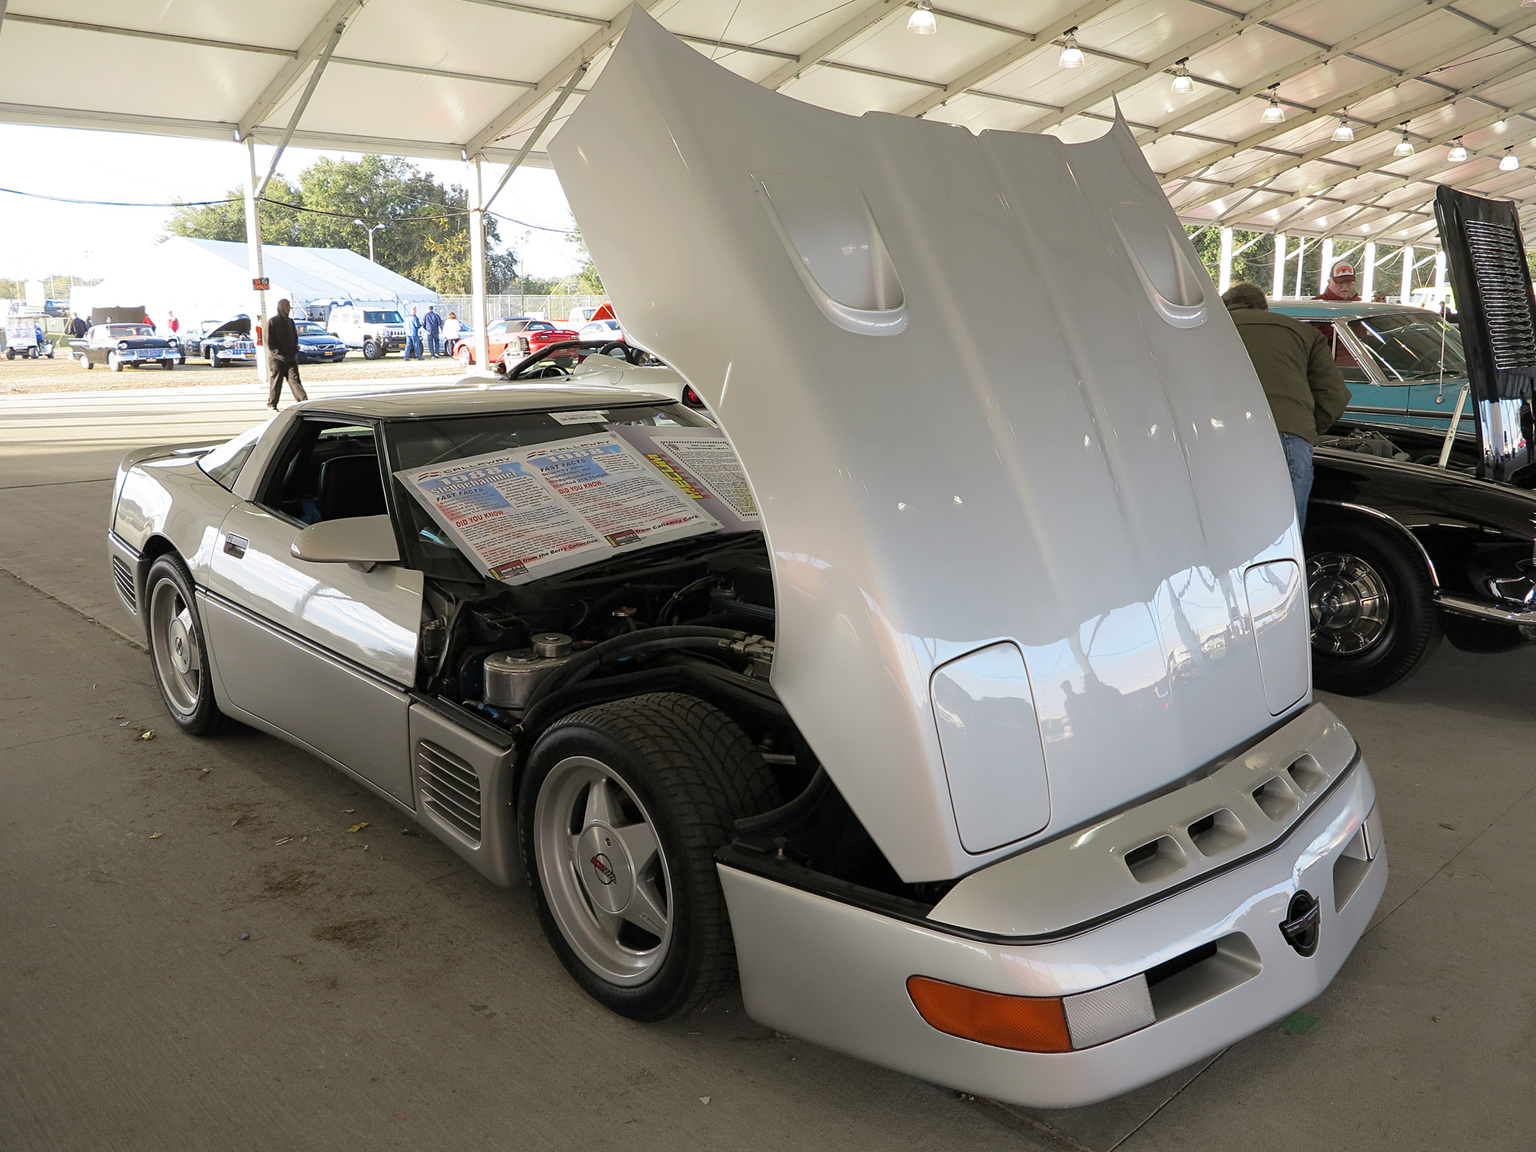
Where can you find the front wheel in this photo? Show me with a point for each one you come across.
(1373, 609)
(167, 364)
(114, 362)
(372, 350)
(621, 809)
(177, 648)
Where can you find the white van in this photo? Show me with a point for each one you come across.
(375, 331)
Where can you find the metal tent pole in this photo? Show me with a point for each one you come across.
(1326, 266)
(1277, 286)
(1405, 289)
(1224, 273)
(253, 248)
(479, 317)
(1368, 282)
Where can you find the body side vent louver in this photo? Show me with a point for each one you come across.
(123, 577)
(450, 789)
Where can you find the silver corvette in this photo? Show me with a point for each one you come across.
(960, 704)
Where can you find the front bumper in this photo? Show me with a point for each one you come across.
(817, 967)
(142, 355)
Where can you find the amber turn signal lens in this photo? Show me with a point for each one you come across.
(1023, 1023)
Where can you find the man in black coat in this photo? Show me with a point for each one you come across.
(283, 357)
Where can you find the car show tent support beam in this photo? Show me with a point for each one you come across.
(298, 109)
(1325, 264)
(1440, 277)
(987, 69)
(1224, 268)
(508, 117)
(1405, 283)
(478, 313)
(1277, 284)
(321, 39)
(863, 18)
(253, 250)
(549, 114)
(1368, 280)
(2, 11)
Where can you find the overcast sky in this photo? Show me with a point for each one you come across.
(42, 237)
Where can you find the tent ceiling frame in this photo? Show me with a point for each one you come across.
(322, 40)
(856, 25)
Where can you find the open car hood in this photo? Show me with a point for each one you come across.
(990, 405)
(239, 326)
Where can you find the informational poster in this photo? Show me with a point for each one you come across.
(702, 464)
(526, 514)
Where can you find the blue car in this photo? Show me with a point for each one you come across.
(316, 345)
(1403, 365)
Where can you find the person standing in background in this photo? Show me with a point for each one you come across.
(1301, 382)
(172, 323)
(432, 325)
(283, 357)
(451, 330)
(1341, 283)
(413, 336)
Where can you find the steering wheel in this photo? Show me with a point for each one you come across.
(530, 368)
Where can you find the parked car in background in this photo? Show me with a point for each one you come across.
(317, 345)
(375, 332)
(1403, 365)
(223, 342)
(514, 338)
(120, 346)
(601, 330)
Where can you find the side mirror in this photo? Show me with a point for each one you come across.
(363, 541)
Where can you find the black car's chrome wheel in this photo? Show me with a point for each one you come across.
(1373, 609)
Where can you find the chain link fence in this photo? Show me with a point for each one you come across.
(557, 308)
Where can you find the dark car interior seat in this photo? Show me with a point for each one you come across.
(351, 486)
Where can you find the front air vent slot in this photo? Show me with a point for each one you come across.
(1217, 832)
(123, 577)
(1350, 869)
(1308, 774)
(1155, 860)
(450, 789)
(1202, 974)
(1275, 798)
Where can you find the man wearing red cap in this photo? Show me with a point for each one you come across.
(1341, 283)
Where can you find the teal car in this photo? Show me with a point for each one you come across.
(1403, 365)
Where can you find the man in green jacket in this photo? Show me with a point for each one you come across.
(1295, 365)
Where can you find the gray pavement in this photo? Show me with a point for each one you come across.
(388, 997)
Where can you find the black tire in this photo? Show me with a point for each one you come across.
(372, 351)
(167, 365)
(178, 648)
(213, 360)
(1472, 635)
(1373, 608)
(680, 771)
(10, 353)
(86, 362)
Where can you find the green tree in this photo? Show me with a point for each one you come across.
(588, 282)
(227, 221)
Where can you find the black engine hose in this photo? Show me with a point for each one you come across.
(810, 796)
(586, 662)
(551, 708)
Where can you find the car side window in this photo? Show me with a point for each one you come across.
(1343, 358)
(327, 470)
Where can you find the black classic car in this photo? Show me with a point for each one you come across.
(120, 346)
(223, 342)
(1416, 532)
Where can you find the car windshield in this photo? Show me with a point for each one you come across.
(126, 330)
(382, 318)
(310, 328)
(422, 443)
(1411, 345)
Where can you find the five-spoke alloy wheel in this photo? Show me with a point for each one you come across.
(177, 649)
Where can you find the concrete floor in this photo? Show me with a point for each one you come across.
(387, 997)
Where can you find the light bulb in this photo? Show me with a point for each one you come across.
(1510, 162)
(1071, 54)
(1183, 84)
(1343, 134)
(1458, 153)
(1274, 114)
(1404, 146)
(922, 21)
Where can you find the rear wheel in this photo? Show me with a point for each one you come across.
(1373, 611)
(177, 649)
(464, 355)
(86, 362)
(621, 809)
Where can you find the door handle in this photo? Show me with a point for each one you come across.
(236, 545)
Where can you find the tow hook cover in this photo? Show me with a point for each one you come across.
(1302, 921)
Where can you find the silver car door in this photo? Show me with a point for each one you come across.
(323, 652)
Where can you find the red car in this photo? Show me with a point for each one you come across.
(513, 338)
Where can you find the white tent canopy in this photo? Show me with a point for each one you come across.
(202, 280)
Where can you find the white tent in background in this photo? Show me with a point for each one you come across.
(209, 280)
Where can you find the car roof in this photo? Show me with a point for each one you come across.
(467, 398)
(1304, 309)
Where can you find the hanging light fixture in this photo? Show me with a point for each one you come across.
(1510, 162)
(1183, 83)
(922, 20)
(1274, 114)
(1404, 146)
(1071, 55)
(1343, 134)
(1458, 153)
